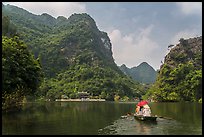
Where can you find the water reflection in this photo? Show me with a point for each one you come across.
(177, 119)
(103, 118)
(145, 127)
(131, 126)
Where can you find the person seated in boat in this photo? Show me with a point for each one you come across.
(139, 110)
(146, 110)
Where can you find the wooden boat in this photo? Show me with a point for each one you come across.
(145, 118)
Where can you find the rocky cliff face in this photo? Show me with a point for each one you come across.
(180, 77)
(186, 50)
(62, 42)
(75, 55)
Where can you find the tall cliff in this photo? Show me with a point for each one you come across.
(180, 77)
(75, 55)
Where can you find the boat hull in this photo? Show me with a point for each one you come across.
(145, 118)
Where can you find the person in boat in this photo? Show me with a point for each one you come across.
(143, 109)
(139, 110)
(146, 110)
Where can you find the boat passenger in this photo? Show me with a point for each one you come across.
(139, 110)
(146, 110)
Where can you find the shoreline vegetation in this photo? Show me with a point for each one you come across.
(82, 99)
(71, 60)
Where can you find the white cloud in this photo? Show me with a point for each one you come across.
(189, 8)
(53, 8)
(133, 49)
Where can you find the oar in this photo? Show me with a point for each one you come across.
(132, 114)
(128, 114)
(164, 117)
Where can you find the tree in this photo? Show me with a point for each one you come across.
(20, 71)
(8, 28)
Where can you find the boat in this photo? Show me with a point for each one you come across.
(145, 118)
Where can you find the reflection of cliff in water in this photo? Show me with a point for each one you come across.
(101, 118)
(181, 111)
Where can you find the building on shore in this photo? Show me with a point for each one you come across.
(83, 95)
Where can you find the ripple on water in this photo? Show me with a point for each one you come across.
(130, 126)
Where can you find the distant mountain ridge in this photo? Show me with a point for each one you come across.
(143, 73)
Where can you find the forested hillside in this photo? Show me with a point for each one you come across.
(180, 77)
(21, 72)
(143, 73)
(75, 55)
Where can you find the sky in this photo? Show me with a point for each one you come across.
(139, 31)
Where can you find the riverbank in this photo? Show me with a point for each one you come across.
(80, 99)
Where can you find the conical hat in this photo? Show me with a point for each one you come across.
(146, 106)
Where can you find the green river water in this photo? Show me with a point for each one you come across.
(102, 118)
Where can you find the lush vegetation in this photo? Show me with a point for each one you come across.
(21, 73)
(99, 82)
(75, 56)
(180, 78)
(143, 73)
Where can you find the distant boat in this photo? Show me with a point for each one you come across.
(145, 118)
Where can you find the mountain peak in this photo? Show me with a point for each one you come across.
(83, 15)
(61, 18)
(48, 19)
(146, 65)
(80, 17)
(83, 18)
(143, 73)
(123, 65)
(47, 15)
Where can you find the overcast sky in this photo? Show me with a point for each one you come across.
(139, 31)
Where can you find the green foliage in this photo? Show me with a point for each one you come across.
(75, 55)
(12, 101)
(180, 77)
(181, 83)
(97, 81)
(143, 73)
(125, 98)
(200, 100)
(19, 69)
(116, 98)
(8, 28)
(19, 66)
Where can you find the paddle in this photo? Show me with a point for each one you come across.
(165, 117)
(128, 114)
(132, 114)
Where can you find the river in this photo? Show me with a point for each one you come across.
(102, 118)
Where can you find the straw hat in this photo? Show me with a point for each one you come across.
(146, 106)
